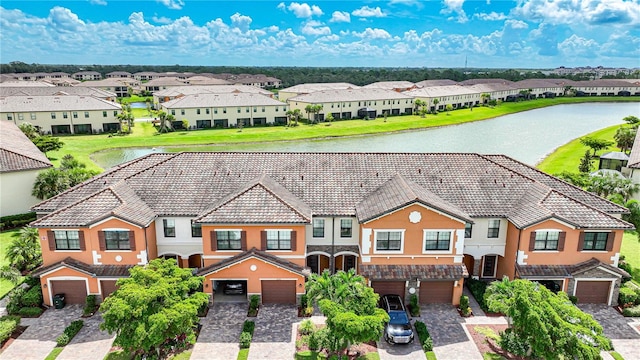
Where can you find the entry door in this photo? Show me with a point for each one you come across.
(312, 263)
(349, 262)
(489, 267)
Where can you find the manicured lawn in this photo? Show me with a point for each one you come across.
(491, 356)
(313, 355)
(140, 113)
(5, 239)
(243, 354)
(144, 135)
(567, 157)
(185, 355)
(135, 98)
(631, 251)
(118, 355)
(431, 355)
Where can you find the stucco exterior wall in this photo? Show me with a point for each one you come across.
(230, 113)
(43, 119)
(66, 274)
(332, 230)
(16, 197)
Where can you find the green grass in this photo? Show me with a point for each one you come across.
(567, 157)
(54, 353)
(631, 250)
(118, 355)
(491, 356)
(134, 98)
(314, 355)
(243, 354)
(140, 113)
(5, 239)
(185, 355)
(430, 355)
(144, 135)
(615, 355)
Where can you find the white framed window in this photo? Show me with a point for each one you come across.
(67, 239)
(389, 241)
(318, 228)
(547, 240)
(346, 228)
(278, 239)
(494, 228)
(437, 240)
(229, 239)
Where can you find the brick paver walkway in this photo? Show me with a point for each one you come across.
(220, 334)
(40, 337)
(450, 341)
(89, 343)
(274, 335)
(625, 340)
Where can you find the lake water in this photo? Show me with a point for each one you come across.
(527, 136)
(138, 105)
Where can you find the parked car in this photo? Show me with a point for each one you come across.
(234, 288)
(398, 330)
(550, 284)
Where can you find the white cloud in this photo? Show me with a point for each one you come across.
(332, 37)
(492, 16)
(516, 24)
(366, 11)
(241, 21)
(370, 33)
(315, 28)
(273, 28)
(304, 10)
(97, 2)
(161, 19)
(62, 19)
(592, 12)
(172, 4)
(455, 7)
(340, 16)
(282, 6)
(576, 46)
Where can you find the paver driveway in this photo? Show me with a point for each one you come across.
(625, 340)
(274, 335)
(450, 341)
(412, 351)
(89, 343)
(40, 337)
(220, 333)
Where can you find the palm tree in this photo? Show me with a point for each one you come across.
(10, 273)
(485, 97)
(316, 109)
(289, 114)
(308, 109)
(435, 103)
(297, 114)
(24, 251)
(165, 122)
(49, 183)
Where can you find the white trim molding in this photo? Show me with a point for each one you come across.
(391, 252)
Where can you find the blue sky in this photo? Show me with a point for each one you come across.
(394, 33)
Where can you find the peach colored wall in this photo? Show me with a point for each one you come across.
(506, 264)
(413, 235)
(152, 247)
(92, 244)
(93, 282)
(457, 292)
(570, 255)
(254, 240)
(264, 271)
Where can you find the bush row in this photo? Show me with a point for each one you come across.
(478, 289)
(14, 221)
(69, 332)
(629, 295)
(424, 336)
(25, 301)
(247, 334)
(632, 311)
(8, 325)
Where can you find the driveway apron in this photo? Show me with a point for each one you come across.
(40, 337)
(625, 340)
(274, 335)
(89, 343)
(412, 351)
(220, 334)
(450, 340)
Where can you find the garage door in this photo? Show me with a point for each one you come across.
(278, 291)
(593, 292)
(436, 292)
(75, 291)
(107, 287)
(388, 287)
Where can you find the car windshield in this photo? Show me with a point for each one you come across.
(398, 317)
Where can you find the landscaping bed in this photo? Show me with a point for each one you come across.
(303, 351)
(487, 345)
(14, 335)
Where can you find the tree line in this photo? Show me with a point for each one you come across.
(299, 75)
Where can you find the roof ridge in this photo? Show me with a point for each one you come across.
(279, 197)
(585, 205)
(84, 199)
(24, 155)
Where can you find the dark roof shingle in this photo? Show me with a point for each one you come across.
(17, 152)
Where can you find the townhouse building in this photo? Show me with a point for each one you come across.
(455, 95)
(541, 88)
(226, 109)
(19, 90)
(410, 223)
(20, 163)
(120, 86)
(119, 74)
(354, 103)
(301, 89)
(62, 114)
(399, 86)
(180, 91)
(87, 75)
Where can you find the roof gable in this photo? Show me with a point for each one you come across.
(254, 253)
(17, 152)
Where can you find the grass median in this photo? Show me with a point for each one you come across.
(144, 135)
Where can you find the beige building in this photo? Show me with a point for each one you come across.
(300, 89)
(20, 163)
(354, 103)
(392, 85)
(68, 114)
(540, 88)
(87, 75)
(55, 91)
(455, 95)
(226, 110)
(180, 91)
(119, 86)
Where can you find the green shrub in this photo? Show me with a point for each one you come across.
(254, 302)
(69, 332)
(315, 340)
(510, 342)
(306, 327)
(14, 221)
(14, 300)
(248, 326)
(627, 296)
(427, 345)
(424, 336)
(32, 298)
(245, 340)
(631, 311)
(304, 301)
(30, 311)
(303, 341)
(413, 305)
(32, 281)
(90, 305)
(8, 325)
(573, 299)
(478, 288)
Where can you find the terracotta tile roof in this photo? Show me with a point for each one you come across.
(420, 272)
(47, 103)
(333, 184)
(93, 270)
(261, 201)
(566, 270)
(579, 214)
(634, 156)
(255, 253)
(17, 152)
(118, 200)
(399, 192)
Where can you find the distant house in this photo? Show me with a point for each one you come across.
(87, 75)
(633, 165)
(20, 163)
(613, 160)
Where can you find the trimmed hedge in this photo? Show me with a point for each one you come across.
(631, 311)
(8, 325)
(32, 298)
(30, 311)
(424, 336)
(15, 221)
(478, 288)
(627, 296)
(69, 332)
(247, 334)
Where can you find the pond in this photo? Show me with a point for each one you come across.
(138, 105)
(527, 136)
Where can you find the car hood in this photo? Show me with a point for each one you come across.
(399, 329)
